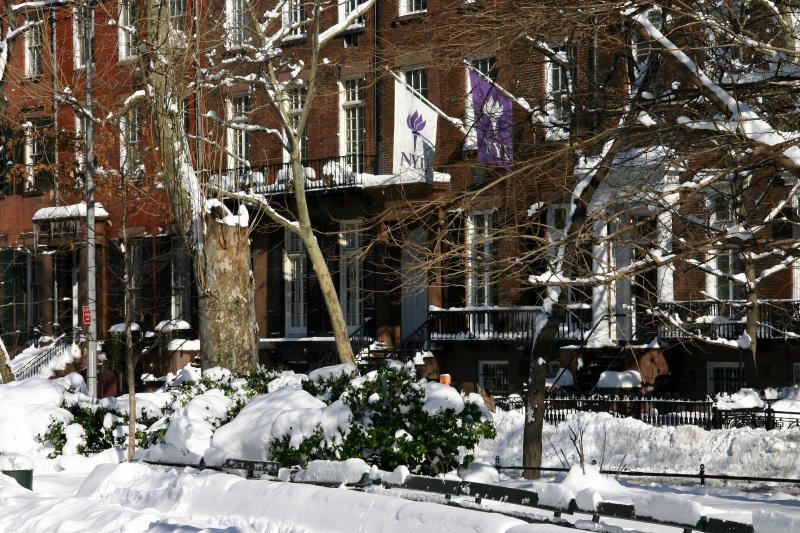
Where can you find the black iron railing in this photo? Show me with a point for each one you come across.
(32, 368)
(416, 341)
(318, 174)
(504, 323)
(724, 319)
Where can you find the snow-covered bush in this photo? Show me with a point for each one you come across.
(396, 419)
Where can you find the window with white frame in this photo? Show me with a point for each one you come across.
(130, 153)
(128, 28)
(294, 14)
(487, 67)
(559, 77)
(177, 14)
(296, 100)
(728, 262)
(580, 263)
(181, 274)
(80, 140)
(353, 122)
(238, 135)
(38, 154)
(408, 7)
(350, 280)
(348, 6)
(34, 62)
(294, 276)
(238, 23)
(480, 250)
(417, 79)
(79, 18)
(724, 377)
(494, 374)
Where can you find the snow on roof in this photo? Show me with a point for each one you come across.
(184, 344)
(629, 379)
(564, 378)
(118, 328)
(172, 325)
(68, 211)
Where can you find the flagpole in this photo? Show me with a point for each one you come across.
(517, 100)
(458, 123)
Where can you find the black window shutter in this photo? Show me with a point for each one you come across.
(163, 278)
(275, 291)
(455, 253)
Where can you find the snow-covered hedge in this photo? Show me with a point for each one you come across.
(394, 418)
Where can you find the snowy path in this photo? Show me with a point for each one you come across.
(137, 497)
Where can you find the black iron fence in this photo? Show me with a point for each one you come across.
(661, 411)
(504, 323)
(724, 319)
(318, 174)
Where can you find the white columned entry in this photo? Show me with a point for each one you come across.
(601, 294)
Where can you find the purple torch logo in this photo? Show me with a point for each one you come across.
(416, 124)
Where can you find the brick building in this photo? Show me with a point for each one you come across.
(457, 316)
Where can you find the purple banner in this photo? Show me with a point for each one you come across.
(493, 116)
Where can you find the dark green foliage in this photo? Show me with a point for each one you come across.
(389, 425)
(55, 436)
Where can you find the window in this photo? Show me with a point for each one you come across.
(350, 280)
(177, 14)
(238, 22)
(239, 138)
(354, 123)
(726, 261)
(79, 18)
(297, 100)
(34, 64)
(80, 140)
(724, 377)
(480, 243)
(408, 7)
(580, 264)
(36, 294)
(131, 161)
(417, 79)
(128, 28)
(559, 79)
(486, 66)
(294, 275)
(181, 281)
(39, 153)
(293, 15)
(347, 7)
(494, 373)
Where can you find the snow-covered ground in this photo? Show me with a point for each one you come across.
(99, 493)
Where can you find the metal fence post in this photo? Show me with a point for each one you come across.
(702, 474)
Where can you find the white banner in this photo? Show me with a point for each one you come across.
(414, 135)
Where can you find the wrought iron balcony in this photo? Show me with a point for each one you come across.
(723, 319)
(505, 323)
(339, 172)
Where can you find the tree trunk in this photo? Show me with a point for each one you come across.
(544, 349)
(751, 326)
(5, 369)
(131, 379)
(221, 253)
(228, 327)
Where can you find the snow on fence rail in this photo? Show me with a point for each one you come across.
(32, 368)
(662, 411)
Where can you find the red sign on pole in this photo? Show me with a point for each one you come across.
(87, 314)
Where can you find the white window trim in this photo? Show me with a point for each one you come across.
(712, 281)
(80, 155)
(343, 105)
(295, 112)
(294, 331)
(481, 377)
(403, 8)
(29, 72)
(235, 36)
(123, 34)
(125, 165)
(30, 177)
(345, 255)
(343, 12)
(77, 45)
(710, 375)
(286, 17)
(472, 277)
(471, 140)
(233, 159)
(549, 89)
(417, 68)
